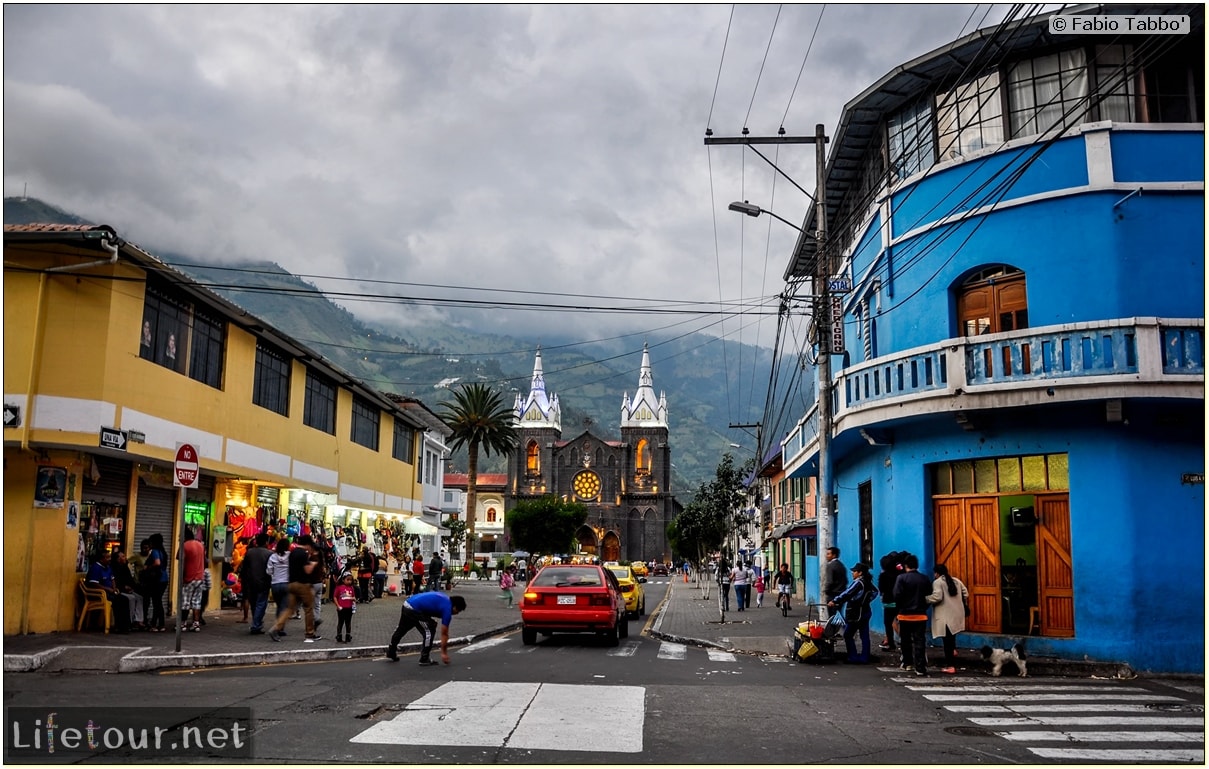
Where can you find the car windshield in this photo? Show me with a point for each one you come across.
(554, 576)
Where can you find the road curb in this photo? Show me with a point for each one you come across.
(136, 662)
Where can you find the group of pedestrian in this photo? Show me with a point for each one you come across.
(906, 597)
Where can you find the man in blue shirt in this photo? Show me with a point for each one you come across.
(100, 574)
(421, 612)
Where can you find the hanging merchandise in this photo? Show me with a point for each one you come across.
(293, 527)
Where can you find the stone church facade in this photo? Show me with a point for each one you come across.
(625, 484)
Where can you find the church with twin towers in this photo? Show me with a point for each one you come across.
(625, 484)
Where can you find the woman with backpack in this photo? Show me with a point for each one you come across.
(857, 600)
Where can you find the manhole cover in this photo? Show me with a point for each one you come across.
(1175, 707)
(968, 731)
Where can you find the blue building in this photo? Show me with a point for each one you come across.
(1021, 216)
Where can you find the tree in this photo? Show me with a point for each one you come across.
(479, 419)
(716, 510)
(545, 525)
(454, 539)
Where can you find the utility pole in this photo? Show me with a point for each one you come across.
(829, 341)
(822, 314)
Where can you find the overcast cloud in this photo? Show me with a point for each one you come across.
(553, 148)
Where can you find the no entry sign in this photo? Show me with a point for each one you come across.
(186, 470)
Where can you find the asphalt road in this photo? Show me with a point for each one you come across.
(577, 700)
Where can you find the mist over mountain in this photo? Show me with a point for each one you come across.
(710, 383)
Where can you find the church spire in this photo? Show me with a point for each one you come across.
(538, 409)
(645, 410)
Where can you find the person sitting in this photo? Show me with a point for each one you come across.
(100, 574)
(124, 581)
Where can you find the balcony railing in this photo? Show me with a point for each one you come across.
(1133, 351)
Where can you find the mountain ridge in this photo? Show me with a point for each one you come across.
(423, 360)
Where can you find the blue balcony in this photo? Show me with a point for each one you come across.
(1128, 357)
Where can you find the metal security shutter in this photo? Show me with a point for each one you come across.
(113, 485)
(155, 513)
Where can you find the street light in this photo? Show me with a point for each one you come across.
(751, 209)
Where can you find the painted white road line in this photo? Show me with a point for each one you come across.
(566, 717)
(1122, 756)
(1043, 736)
(717, 655)
(625, 650)
(1055, 707)
(672, 651)
(526, 716)
(1091, 721)
(1045, 697)
(481, 645)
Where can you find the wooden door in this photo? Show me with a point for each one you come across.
(1055, 574)
(981, 570)
(967, 542)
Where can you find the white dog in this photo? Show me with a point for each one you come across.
(999, 656)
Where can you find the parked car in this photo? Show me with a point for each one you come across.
(660, 570)
(631, 588)
(574, 598)
(640, 570)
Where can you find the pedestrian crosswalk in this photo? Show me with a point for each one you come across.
(1077, 721)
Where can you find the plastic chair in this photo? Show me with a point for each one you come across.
(94, 600)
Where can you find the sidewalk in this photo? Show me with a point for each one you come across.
(226, 641)
(683, 617)
(688, 618)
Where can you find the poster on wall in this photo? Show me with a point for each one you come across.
(73, 515)
(50, 487)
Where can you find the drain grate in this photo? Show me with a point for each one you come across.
(968, 731)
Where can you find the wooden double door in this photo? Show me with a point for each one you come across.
(968, 531)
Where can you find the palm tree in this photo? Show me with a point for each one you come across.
(478, 418)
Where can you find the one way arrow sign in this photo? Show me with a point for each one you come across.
(12, 416)
(113, 439)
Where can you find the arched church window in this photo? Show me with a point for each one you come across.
(491, 514)
(533, 460)
(642, 458)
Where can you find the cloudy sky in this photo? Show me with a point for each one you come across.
(555, 149)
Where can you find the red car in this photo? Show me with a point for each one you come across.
(573, 598)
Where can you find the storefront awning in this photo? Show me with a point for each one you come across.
(416, 526)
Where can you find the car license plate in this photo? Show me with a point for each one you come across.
(565, 600)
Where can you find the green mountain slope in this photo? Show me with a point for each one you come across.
(706, 388)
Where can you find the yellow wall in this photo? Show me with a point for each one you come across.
(85, 348)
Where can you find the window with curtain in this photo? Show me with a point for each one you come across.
(969, 118)
(1047, 92)
(912, 147)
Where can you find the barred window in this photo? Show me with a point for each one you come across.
(319, 410)
(365, 424)
(206, 350)
(271, 388)
(969, 118)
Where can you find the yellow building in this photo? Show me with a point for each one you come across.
(112, 359)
